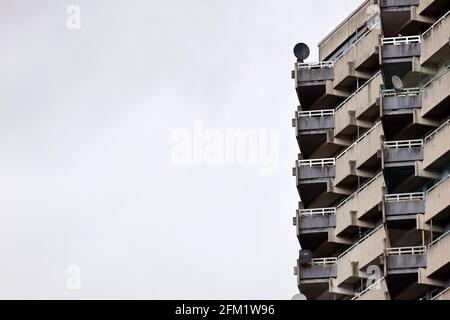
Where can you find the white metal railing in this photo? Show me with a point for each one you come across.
(317, 212)
(435, 242)
(436, 23)
(406, 92)
(440, 294)
(364, 289)
(359, 140)
(404, 197)
(358, 90)
(317, 162)
(315, 65)
(438, 184)
(358, 40)
(438, 76)
(316, 113)
(403, 144)
(324, 261)
(401, 40)
(359, 190)
(431, 135)
(406, 251)
(361, 241)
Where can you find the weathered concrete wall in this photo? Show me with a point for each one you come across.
(398, 3)
(318, 272)
(361, 256)
(316, 172)
(434, 41)
(397, 103)
(401, 51)
(358, 104)
(316, 222)
(438, 255)
(406, 262)
(405, 208)
(437, 200)
(403, 154)
(347, 28)
(307, 75)
(352, 60)
(361, 203)
(437, 146)
(436, 93)
(316, 123)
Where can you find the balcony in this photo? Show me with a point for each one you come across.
(360, 209)
(401, 210)
(438, 201)
(376, 291)
(436, 96)
(401, 17)
(402, 153)
(314, 182)
(359, 109)
(361, 159)
(432, 7)
(349, 27)
(443, 295)
(405, 260)
(315, 136)
(352, 263)
(316, 220)
(435, 42)
(437, 148)
(397, 56)
(357, 61)
(439, 257)
(313, 82)
(313, 279)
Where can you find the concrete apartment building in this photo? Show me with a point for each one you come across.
(373, 172)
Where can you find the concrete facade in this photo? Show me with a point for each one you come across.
(373, 173)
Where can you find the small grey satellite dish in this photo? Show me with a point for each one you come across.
(299, 297)
(301, 51)
(397, 82)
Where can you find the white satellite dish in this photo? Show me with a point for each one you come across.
(299, 297)
(397, 82)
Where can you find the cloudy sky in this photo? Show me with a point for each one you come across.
(87, 120)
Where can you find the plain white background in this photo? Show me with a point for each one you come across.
(86, 119)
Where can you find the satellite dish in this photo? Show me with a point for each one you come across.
(301, 51)
(397, 82)
(299, 297)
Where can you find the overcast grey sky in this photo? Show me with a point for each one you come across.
(86, 118)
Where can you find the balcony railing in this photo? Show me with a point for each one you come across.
(358, 90)
(359, 140)
(364, 289)
(361, 241)
(359, 190)
(324, 261)
(436, 77)
(371, 27)
(403, 144)
(435, 24)
(316, 113)
(435, 242)
(438, 184)
(435, 132)
(406, 251)
(315, 65)
(317, 162)
(407, 92)
(401, 40)
(404, 197)
(317, 212)
(440, 294)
